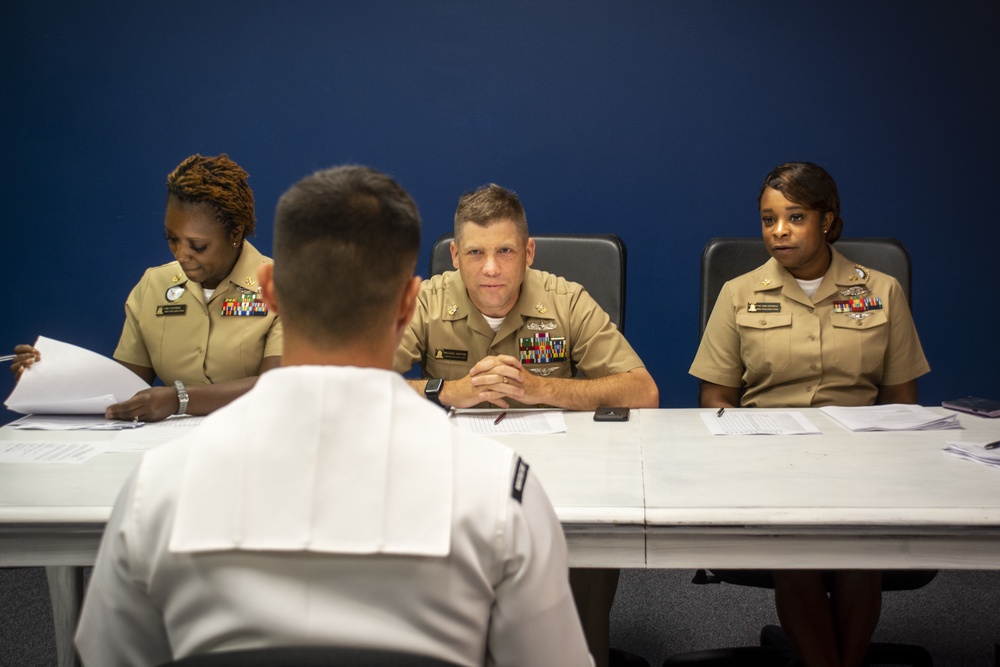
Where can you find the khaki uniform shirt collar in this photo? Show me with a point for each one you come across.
(531, 303)
(841, 273)
(244, 273)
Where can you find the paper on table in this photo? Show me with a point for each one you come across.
(72, 381)
(974, 451)
(894, 417)
(758, 422)
(12, 451)
(72, 423)
(153, 435)
(531, 422)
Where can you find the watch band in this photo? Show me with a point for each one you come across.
(182, 397)
(432, 390)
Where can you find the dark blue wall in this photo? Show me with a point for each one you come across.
(655, 120)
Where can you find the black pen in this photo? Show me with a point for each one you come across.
(992, 445)
(719, 413)
(500, 418)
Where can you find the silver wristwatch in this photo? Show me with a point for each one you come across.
(182, 397)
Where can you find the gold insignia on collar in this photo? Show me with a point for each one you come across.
(452, 309)
(541, 308)
(765, 282)
(176, 278)
(249, 282)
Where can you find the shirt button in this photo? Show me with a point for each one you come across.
(812, 337)
(809, 388)
(813, 367)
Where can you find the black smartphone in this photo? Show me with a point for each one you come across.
(611, 415)
(984, 407)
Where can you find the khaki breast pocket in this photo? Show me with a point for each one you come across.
(860, 344)
(765, 341)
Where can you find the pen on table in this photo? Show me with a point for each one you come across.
(500, 418)
(719, 413)
(7, 357)
(992, 445)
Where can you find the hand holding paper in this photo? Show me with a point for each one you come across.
(71, 380)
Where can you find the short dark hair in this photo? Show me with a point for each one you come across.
(346, 241)
(488, 204)
(220, 183)
(808, 185)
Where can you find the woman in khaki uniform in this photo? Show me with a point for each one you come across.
(810, 328)
(196, 323)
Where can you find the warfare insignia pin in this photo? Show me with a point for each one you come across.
(452, 309)
(541, 326)
(174, 293)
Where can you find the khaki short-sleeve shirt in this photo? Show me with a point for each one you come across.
(448, 335)
(787, 350)
(170, 328)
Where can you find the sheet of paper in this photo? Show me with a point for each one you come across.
(70, 380)
(153, 434)
(13, 451)
(894, 417)
(758, 422)
(517, 422)
(72, 423)
(974, 451)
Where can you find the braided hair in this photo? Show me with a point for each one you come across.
(220, 183)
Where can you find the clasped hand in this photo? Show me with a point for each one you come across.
(496, 379)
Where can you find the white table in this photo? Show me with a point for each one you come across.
(658, 491)
(841, 499)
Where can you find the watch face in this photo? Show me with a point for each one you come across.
(433, 386)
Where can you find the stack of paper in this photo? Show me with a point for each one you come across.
(72, 423)
(896, 417)
(974, 452)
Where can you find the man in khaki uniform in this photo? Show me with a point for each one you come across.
(498, 332)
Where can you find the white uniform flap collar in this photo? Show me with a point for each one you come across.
(341, 460)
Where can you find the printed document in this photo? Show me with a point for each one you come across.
(758, 422)
(70, 380)
(514, 422)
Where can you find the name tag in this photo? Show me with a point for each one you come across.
(175, 309)
(764, 307)
(451, 355)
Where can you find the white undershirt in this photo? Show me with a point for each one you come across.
(208, 294)
(494, 322)
(809, 286)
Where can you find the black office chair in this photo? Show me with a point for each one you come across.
(724, 259)
(596, 261)
(308, 656)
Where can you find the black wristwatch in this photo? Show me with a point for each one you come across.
(432, 390)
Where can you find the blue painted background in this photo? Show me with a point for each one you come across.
(655, 120)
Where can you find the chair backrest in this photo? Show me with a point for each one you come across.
(596, 261)
(724, 258)
(308, 656)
